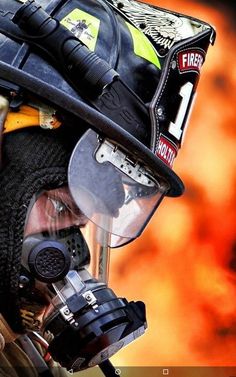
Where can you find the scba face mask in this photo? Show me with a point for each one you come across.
(63, 285)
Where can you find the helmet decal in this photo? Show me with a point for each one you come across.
(84, 26)
(166, 150)
(191, 60)
(165, 28)
(143, 47)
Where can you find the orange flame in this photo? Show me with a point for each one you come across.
(184, 265)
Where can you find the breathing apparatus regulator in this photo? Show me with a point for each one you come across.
(129, 70)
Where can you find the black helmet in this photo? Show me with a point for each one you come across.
(120, 77)
(151, 56)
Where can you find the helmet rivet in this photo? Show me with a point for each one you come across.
(88, 297)
(173, 64)
(142, 25)
(120, 5)
(160, 111)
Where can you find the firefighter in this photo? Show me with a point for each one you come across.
(90, 129)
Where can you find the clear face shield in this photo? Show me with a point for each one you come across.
(114, 192)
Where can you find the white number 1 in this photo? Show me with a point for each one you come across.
(175, 128)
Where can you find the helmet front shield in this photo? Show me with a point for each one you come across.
(116, 193)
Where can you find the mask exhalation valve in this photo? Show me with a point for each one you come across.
(49, 261)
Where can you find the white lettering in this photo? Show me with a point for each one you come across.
(184, 59)
(166, 152)
(191, 60)
(196, 60)
(176, 127)
(163, 151)
(159, 147)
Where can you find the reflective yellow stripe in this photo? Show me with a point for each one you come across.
(84, 26)
(142, 46)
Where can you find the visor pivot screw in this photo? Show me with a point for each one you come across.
(66, 311)
(88, 298)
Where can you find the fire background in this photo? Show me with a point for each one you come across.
(184, 265)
